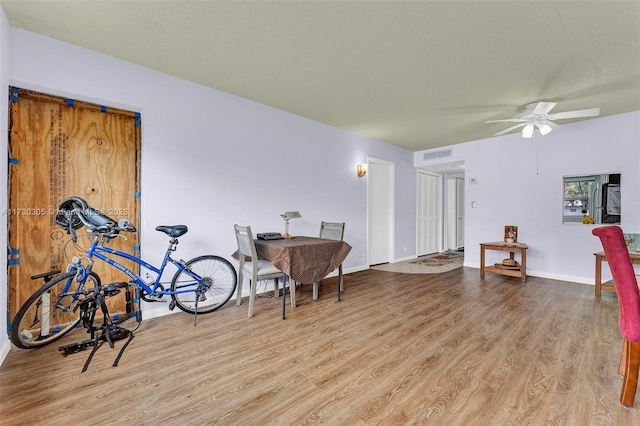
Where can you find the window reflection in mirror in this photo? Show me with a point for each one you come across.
(592, 199)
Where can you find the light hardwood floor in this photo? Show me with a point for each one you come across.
(447, 349)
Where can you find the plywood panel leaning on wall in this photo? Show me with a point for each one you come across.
(58, 148)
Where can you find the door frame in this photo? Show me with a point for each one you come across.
(56, 257)
(376, 194)
(420, 200)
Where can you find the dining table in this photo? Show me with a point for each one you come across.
(303, 259)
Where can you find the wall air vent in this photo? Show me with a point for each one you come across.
(432, 155)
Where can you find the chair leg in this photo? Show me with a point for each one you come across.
(252, 296)
(292, 292)
(623, 358)
(239, 295)
(315, 291)
(631, 356)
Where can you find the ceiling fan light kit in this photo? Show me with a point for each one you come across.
(527, 132)
(538, 115)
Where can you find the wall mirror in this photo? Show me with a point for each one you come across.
(591, 199)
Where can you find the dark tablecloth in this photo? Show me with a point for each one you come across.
(304, 259)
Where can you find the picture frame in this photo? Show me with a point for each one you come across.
(511, 234)
(633, 242)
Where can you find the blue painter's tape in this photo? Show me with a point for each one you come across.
(103, 108)
(70, 102)
(15, 90)
(11, 252)
(13, 161)
(137, 194)
(137, 122)
(136, 248)
(11, 262)
(137, 114)
(13, 98)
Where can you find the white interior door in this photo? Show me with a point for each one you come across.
(429, 213)
(460, 212)
(381, 213)
(451, 218)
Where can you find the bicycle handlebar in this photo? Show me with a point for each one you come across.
(97, 222)
(102, 224)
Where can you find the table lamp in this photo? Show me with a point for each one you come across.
(288, 216)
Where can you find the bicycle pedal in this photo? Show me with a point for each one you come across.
(118, 333)
(73, 348)
(172, 305)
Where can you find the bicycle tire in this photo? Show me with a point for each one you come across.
(220, 276)
(60, 319)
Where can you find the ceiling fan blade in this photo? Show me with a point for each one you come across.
(510, 129)
(550, 124)
(544, 107)
(512, 120)
(591, 112)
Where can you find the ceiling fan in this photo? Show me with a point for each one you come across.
(538, 115)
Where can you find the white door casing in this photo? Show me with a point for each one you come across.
(381, 211)
(429, 213)
(460, 212)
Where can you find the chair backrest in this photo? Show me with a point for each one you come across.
(624, 280)
(246, 245)
(332, 230)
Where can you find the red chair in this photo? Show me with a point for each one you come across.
(626, 286)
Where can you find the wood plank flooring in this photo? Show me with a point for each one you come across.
(446, 349)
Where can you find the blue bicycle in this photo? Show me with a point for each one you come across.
(199, 286)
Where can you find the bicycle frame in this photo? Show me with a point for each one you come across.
(96, 251)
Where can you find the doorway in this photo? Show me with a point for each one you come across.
(429, 213)
(381, 210)
(454, 213)
(60, 147)
(446, 199)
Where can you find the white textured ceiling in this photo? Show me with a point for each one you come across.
(414, 74)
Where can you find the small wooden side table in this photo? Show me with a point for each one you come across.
(608, 286)
(521, 248)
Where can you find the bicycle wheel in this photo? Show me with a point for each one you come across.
(218, 282)
(48, 314)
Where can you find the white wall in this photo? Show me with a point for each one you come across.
(211, 159)
(519, 184)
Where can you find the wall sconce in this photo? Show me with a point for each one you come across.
(288, 216)
(362, 170)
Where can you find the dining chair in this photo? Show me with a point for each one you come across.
(255, 269)
(626, 285)
(331, 231)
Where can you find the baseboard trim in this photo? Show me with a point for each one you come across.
(551, 276)
(4, 350)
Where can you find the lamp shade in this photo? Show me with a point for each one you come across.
(291, 215)
(527, 132)
(544, 128)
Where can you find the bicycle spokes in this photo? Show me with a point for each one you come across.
(35, 314)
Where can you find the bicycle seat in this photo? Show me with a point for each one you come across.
(173, 231)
